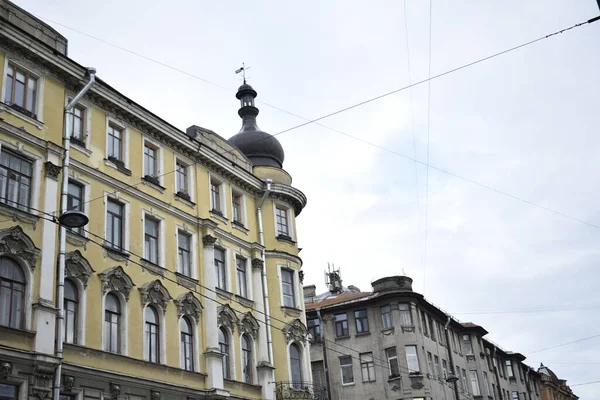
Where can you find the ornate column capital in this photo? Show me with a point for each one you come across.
(208, 240)
(257, 263)
(52, 171)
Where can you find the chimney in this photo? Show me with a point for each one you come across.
(309, 291)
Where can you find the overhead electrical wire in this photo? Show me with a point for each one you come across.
(563, 344)
(430, 78)
(424, 260)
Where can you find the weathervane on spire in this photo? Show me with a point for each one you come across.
(243, 70)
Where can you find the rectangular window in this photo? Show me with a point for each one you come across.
(240, 265)
(460, 349)
(431, 327)
(474, 383)
(361, 321)
(468, 344)
(424, 323)
(515, 395)
(21, 88)
(386, 316)
(412, 359)
(367, 367)
(181, 178)
(341, 325)
(151, 236)
(282, 222)
(75, 201)
(236, 202)
(15, 180)
(114, 225)
(393, 364)
(9, 392)
(115, 142)
(486, 384)
(346, 370)
(150, 160)
(314, 328)
(464, 375)
(457, 372)
(440, 333)
(453, 338)
(215, 196)
(77, 125)
(183, 251)
(405, 315)
(438, 369)
(430, 363)
(493, 390)
(444, 369)
(509, 369)
(220, 268)
(287, 286)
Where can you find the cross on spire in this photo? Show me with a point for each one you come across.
(243, 70)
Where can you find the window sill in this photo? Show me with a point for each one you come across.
(218, 215)
(224, 294)
(394, 378)
(84, 150)
(285, 238)
(17, 331)
(115, 254)
(291, 311)
(154, 183)
(342, 337)
(234, 382)
(246, 302)
(348, 384)
(184, 201)
(415, 375)
(240, 226)
(119, 168)
(76, 239)
(388, 331)
(152, 267)
(18, 214)
(8, 109)
(408, 328)
(186, 281)
(373, 381)
(363, 334)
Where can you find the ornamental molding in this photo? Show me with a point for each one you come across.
(69, 383)
(295, 331)
(248, 324)
(115, 279)
(115, 390)
(52, 170)
(257, 263)
(155, 293)
(78, 267)
(227, 317)
(188, 304)
(14, 242)
(209, 240)
(5, 369)
(43, 374)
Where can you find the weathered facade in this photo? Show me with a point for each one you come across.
(553, 388)
(391, 343)
(191, 242)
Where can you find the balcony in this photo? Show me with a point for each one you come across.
(299, 390)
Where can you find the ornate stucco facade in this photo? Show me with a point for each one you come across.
(165, 287)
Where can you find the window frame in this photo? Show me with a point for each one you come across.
(221, 266)
(238, 217)
(424, 323)
(122, 217)
(363, 321)
(158, 238)
(468, 344)
(31, 188)
(412, 358)
(391, 358)
(289, 219)
(474, 379)
(180, 267)
(300, 350)
(184, 345)
(225, 345)
(150, 355)
(38, 93)
(404, 314)
(368, 366)
(121, 335)
(23, 318)
(292, 285)
(242, 281)
(110, 141)
(314, 328)
(345, 331)
(247, 357)
(346, 366)
(74, 312)
(431, 327)
(386, 316)
(151, 160)
(214, 182)
(510, 372)
(82, 203)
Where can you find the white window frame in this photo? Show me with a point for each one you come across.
(39, 107)
(475, 387)
(161, 235)
(159, 158)
(36, 175)
(162, 345)
(416, 355)
(87, 188)
(127, 207)
(248, 276)
(221, 184)
(193, 246)
(232, 353)
(253, 358)
(296, 278)
(81, 313)
(195, 347)
(124, 141)
(190, 175)
(87, 122)
(389, 358)
(236, 191)
(226, 266)
(303, 361)
(124, 323)
(351, 366)
(290, 218)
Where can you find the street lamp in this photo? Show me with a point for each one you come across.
(73, 219)
(452, 378)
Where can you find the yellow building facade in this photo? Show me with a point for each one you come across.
(185, 284)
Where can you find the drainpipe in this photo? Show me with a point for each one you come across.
(452, 366)
(261, 238)
(62, 233)
(324, 348)
(496, 373)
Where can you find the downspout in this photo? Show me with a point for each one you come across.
(261, 238)
(62, 233)
(495, 361)
(452, 366)
(324, 347)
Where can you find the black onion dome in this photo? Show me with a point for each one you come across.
(260, 147)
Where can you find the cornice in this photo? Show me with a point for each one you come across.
(30, 139)
(284, 255)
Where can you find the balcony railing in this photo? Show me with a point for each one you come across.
(299, 390)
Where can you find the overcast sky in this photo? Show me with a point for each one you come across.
(524, 123)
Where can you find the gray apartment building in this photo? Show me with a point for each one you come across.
(391, 343)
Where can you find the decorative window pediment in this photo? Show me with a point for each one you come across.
(15, 242)
(78, 267)
(248, 324)
(155, 293)
(295, 331)
(227, 317)
(188, 304)
(115, 279)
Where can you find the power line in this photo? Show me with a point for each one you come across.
(563, 344)
(585, 383)
(592, 306)
(429, 79)
(424, 258)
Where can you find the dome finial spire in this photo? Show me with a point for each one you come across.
(243, 70)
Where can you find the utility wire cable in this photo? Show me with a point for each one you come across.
(563, 344)
(585, 383)
(430, 78)
(427, 157)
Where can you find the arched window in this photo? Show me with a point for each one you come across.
(186, 344)
(70, 307)
(224, 346)
(112, 323)
(296, 365)
(152, 337)
(12, 294)
(247, 359)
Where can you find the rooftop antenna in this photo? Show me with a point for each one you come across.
(242, 70)
(333, 279)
